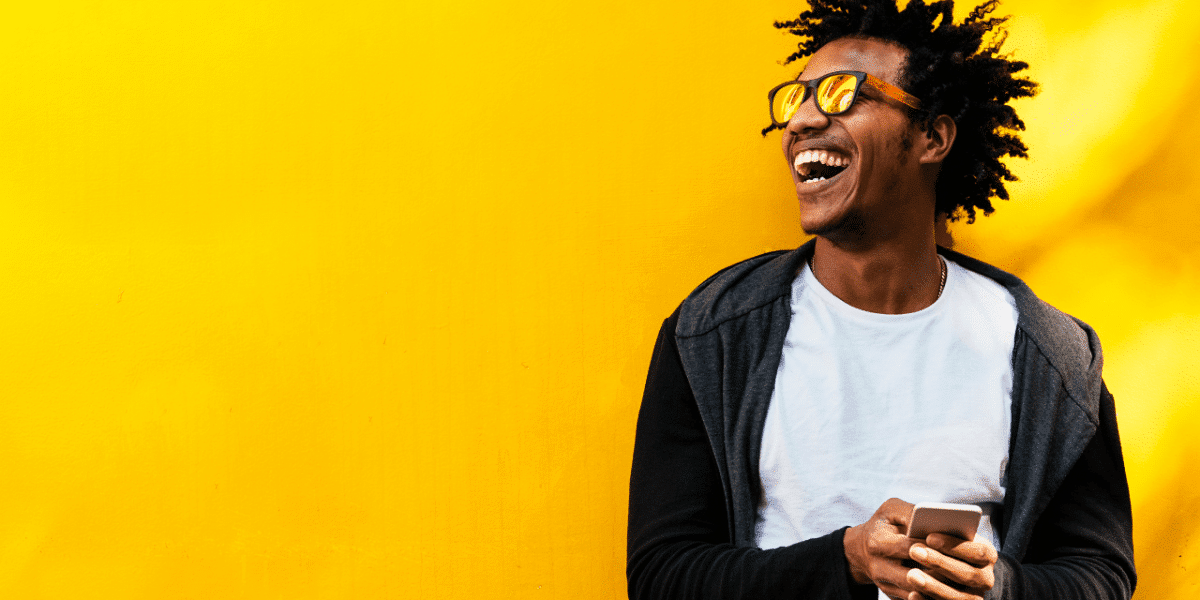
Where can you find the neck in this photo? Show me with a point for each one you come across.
(894, 276)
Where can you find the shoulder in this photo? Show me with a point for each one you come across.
(1068, 344)
(740, 288)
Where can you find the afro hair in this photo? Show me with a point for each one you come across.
(955, 70)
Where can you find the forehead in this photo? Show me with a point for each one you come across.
(877, 57)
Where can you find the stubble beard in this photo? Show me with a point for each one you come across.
(847, 228)
(852, 226)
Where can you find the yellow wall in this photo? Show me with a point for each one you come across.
(355, 299)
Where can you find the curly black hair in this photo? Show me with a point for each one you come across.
(953, 71)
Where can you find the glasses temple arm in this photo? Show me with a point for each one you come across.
(894, 92)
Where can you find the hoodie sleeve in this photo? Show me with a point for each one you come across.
(679, 539)
(1082, 544)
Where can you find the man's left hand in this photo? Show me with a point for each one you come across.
(952, 568)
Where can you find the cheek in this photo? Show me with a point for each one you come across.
(903, 137)
(904, 141)
(892, 150)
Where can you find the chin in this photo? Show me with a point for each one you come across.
(844, 227)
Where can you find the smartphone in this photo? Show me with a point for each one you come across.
(959, 520)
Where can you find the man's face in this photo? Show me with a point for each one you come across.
(872, 140)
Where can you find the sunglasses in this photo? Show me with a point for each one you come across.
(835, 94)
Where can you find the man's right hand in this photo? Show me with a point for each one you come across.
(876, 549)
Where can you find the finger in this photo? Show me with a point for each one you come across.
(950, 569)
(979, 553)
(896, 511)
(894, 591)
(935, 590)
(883, 540)
(891, 579)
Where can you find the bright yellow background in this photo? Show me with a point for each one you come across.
(355, 299)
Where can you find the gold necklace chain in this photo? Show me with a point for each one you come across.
(941, 284)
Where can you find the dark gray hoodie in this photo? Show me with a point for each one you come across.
(1065, 526)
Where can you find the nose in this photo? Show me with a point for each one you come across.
(807, 117)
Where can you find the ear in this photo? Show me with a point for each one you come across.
(938, 140)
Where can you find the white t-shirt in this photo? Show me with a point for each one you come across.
(870, 406)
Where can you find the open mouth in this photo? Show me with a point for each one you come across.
(818, 165)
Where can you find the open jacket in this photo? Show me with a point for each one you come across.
(1065, 527)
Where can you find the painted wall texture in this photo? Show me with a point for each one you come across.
(355, 299)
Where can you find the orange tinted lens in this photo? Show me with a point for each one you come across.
(787, 101)
(835, 93)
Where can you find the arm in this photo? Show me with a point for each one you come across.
(679, 541)
(1082, 545)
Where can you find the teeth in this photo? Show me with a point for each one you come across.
(821, 156)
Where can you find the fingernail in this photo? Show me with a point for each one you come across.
(919, 577)
(920, 553)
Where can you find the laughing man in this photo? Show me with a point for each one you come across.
(799, 403)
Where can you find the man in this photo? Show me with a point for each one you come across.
(799, 402)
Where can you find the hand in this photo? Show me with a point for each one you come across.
(876, 549)
(966, 566)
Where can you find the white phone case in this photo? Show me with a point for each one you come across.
(959, 520)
